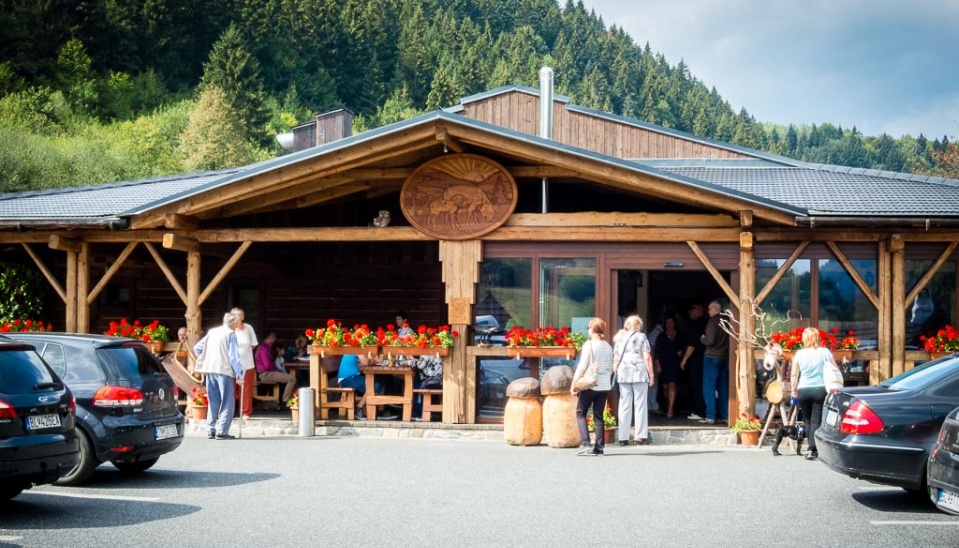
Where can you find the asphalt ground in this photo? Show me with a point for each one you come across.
(357, 491)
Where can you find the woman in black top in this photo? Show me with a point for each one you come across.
(668, 352)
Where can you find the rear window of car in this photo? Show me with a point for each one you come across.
(21, 371)
(923, 376)
(130, 362)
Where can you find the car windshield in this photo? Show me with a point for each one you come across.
(924, 375)
(130, 362)
(22, 371)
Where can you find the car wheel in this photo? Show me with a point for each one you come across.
(7, 492)
(135, 466)
(88, 463)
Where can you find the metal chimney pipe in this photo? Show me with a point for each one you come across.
(545, 118)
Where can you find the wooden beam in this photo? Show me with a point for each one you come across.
(448, 141)
(223, 272)
(771, 284)
(880, 371)
(175, 221)
(540, 171)
(854, 274)
(378, 174)
(620, 219)
(615, 234)
(114, 267)
(180, 243)
(331, 194)
(83, 288)
(194, 316)
(746, 218)
(71, 289)
(46, 273)
(898, 317)
(733, 297)
(166, 271)
(930, 272)
(260, 202)
(61, 243)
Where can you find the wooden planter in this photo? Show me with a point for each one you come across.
(440, 351)
(324, 351)
(842, 355)
(520, 352)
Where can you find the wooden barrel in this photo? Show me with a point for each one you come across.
(559, 420)
(523, 421)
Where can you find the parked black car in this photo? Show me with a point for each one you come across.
(126, 403)
(942, 474)
(38, 440)
(885, 433)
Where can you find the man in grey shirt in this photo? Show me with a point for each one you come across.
(715, 366)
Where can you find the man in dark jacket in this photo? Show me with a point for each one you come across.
(715, 365)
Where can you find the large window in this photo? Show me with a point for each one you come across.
(505, 291)
(787, 305)
(842, 305)
(935, 306)
(567, 292)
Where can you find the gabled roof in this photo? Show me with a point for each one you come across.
(786, 187)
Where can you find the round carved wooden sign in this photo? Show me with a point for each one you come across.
(458, 196)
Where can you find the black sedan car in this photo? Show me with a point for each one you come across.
(942, 474)
(127, 411)
(884, 433)
(38, 440)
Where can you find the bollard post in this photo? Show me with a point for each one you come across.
(306, 424)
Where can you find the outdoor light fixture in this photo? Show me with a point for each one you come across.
(674, 265)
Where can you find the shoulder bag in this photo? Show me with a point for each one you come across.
(831, 375)
(588, 380)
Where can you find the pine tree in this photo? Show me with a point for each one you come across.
(214, 138)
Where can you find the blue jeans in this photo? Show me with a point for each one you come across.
(219, 392)
(358, 383)
(715, 379)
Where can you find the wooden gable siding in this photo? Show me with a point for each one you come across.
(520, 112)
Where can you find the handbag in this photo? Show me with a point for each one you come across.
(831, 375)
(588, 380)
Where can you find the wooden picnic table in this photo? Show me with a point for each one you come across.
(373, 399)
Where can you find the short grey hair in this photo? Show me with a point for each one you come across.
(717, 304)
(229, 320)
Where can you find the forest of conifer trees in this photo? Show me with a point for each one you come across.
(94, 91)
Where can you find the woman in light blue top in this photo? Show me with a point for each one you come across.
(598, 351)
(808, 384)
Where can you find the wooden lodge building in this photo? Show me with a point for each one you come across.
(535, 212)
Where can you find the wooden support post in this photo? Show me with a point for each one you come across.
(71, 289)
(460, 274)
(194, 317)
(897, 247)
(880, 369)
(745, 377)
(83, 288)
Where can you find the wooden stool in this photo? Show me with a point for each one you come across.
(429, 406)
(345, 400)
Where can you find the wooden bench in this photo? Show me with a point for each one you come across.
(271, 396)
(345, 399)
(429, 405)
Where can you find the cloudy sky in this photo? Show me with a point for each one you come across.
(880, 65)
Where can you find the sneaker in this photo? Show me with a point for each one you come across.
(417, 419)
(584, 450)
(386, 416)
(813, 455)
(359, 415)
(595, 453)
(212, 434)
(225, 437)
(707, 421)
(695, 417)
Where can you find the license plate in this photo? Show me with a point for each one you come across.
(166, 431)
(948, 500)
(39, 422)
(831, 418)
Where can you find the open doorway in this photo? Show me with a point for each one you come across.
(656, 295)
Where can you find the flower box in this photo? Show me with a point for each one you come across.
(324, 351)
(440, 351)
(842, 356)
(520, 352)
(937, 355)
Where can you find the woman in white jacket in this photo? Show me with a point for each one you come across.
(633, 367)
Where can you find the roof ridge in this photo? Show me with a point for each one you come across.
(898, 175)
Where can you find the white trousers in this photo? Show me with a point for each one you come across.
(632, 397)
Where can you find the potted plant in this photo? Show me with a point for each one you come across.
(747, 429)
(544, 342)
(943, 343)
(153, 334)
(336, 339)
(609, 421)
(293, 404)
(199, 403)
(846, 346)
(20, 325)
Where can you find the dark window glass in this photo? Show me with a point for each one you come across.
(53, 355)
(128, 361)
(21, 371)
(925, 375)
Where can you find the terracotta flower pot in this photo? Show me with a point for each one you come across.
(200, 413)
(155, 346)
(749, 437)
(608, 434)
(295, 414)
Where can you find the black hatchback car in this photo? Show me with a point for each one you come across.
(942, 474)
(126, 403)
(885, 433)
(38, 441)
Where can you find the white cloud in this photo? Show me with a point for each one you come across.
(879, 65)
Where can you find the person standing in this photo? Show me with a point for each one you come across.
(218, 358)
(692, 361)
(809, 385)
(655, 400)
(633, 367)
(266, 367)
(595, 350)
(715, 365)
(245, 340)
(668, 351)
